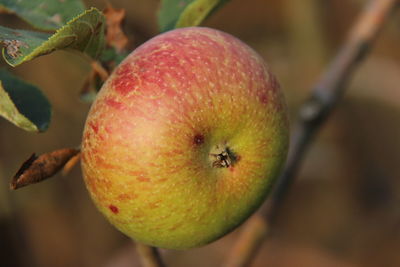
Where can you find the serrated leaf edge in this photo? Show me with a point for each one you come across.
(10, 11)
(35, 52)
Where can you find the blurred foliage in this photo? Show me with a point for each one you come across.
(23, 104)
(44, 14)
(342, 210)
(185, 13)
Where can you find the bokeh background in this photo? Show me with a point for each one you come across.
(344, 208)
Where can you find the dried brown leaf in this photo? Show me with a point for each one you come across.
(114, 34)
(38, 168)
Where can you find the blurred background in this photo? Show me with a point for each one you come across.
(343, 209)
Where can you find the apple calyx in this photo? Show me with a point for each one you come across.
(221, 156)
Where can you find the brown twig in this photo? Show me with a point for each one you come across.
(71, 163)
(100, 70)
(149, 256)
(314, 112)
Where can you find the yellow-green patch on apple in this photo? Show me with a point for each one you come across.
(185, 139)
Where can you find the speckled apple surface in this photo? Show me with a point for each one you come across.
(150, 132)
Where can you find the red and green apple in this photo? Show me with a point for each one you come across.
(185, 139)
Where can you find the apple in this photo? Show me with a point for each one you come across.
(185, 138)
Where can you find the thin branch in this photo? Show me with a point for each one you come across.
(314, 112)
(330, 88)
(250, 239)
(100, 70)
(149, 256)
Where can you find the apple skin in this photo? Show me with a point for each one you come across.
(153, 143)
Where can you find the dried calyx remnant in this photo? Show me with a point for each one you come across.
(221, 156)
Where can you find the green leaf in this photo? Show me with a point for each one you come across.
(44, 14)
(23, 104)
(84, 33)
(185, 13)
